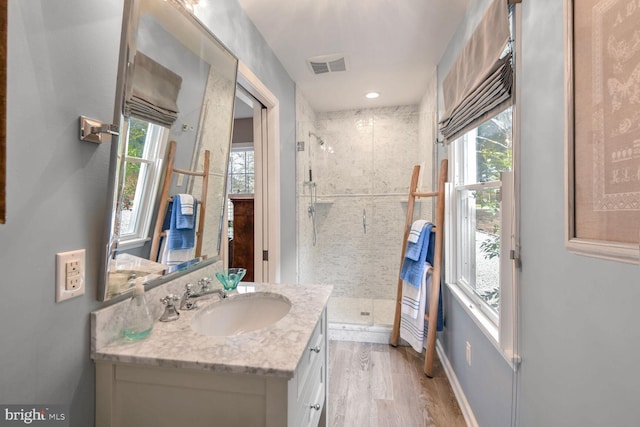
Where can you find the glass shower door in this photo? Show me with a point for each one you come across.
(360, 177)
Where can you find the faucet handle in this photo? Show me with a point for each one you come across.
(169, 300)
(204, 284)
(170, 312)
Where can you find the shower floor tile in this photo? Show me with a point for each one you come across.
(383, 311)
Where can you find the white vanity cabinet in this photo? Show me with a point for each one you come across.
(307, 391)
(139, 395)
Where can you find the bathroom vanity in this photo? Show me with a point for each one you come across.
(273, 376)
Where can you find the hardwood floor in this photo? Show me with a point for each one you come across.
(376, 385)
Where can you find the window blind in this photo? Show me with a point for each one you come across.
(153, 92)
(480, 82)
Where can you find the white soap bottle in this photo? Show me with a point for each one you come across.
(137, 320)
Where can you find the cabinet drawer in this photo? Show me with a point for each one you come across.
(313, 400)
(316, 350)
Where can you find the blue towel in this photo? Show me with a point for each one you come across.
(183, 221)
(415, 256)
(181, 237)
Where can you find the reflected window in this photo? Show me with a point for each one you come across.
(145, 147)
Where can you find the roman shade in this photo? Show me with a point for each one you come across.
(153, 92)
(480, 82)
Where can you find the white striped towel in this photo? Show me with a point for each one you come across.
(412, 324)
(186, 204)
(416, 229)
(173, 256)
(411, 296)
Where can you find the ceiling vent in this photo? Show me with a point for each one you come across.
(327, 64)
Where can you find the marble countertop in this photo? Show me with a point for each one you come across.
(273, 350)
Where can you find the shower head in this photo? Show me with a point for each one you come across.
(320, 140)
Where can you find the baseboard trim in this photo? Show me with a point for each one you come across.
(467, 412)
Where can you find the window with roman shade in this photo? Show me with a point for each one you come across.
(153, 92)
(480, 82)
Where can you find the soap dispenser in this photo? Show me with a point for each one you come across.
(137, 320)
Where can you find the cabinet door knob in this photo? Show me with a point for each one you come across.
(315, 349)
(316, 406)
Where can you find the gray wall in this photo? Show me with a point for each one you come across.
(579, 335)
(63, 57)
(487, 383)
(578, 339)
(248, 45)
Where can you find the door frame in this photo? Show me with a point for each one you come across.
(267, 177)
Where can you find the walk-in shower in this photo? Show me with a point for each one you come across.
(353, 174)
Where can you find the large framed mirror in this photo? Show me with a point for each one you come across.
(168, 171)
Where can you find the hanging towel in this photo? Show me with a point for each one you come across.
(416, 255)
(173, 256)
(416, 230)
(411, 297)
(412, 329)
(186, 204)
(180, 236)
(185, 214)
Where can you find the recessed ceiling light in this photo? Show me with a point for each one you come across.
(372, 95)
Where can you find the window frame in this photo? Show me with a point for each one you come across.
(499, 329)
(241, 148)
(152, 164)
(465, 260)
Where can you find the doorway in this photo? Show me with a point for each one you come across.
(253, 181)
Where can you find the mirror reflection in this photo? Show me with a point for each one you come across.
(177, 86)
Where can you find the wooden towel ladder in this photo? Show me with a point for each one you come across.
(431, 316)
(165, 199)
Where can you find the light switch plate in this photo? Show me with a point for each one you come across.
(70, 274)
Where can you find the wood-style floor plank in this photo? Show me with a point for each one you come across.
(377, 385)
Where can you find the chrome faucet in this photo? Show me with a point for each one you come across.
(189, 294)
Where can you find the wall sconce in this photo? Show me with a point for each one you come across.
(95, 131)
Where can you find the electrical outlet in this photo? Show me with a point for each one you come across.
(468, 353)
(69, 274)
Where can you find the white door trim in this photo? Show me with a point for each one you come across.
(267, 206)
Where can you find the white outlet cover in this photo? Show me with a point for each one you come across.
(62, 259)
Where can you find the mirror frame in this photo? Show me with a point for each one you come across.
(116, 168)
(3, 112)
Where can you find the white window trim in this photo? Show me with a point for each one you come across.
(240, 148)
(146, 195)
(500, 334)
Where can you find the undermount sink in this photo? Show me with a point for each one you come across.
(240, 313)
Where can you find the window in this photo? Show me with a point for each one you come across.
(482, 161)
(145, 146)
(241, 177)
(241, 172)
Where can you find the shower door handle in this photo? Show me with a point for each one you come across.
(364, 221)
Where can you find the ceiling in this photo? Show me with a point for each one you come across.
(390, 46)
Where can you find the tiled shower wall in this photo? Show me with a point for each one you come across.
(362, 174)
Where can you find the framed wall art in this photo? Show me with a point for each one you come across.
(602, 147)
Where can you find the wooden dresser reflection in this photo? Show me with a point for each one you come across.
(242, 246)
